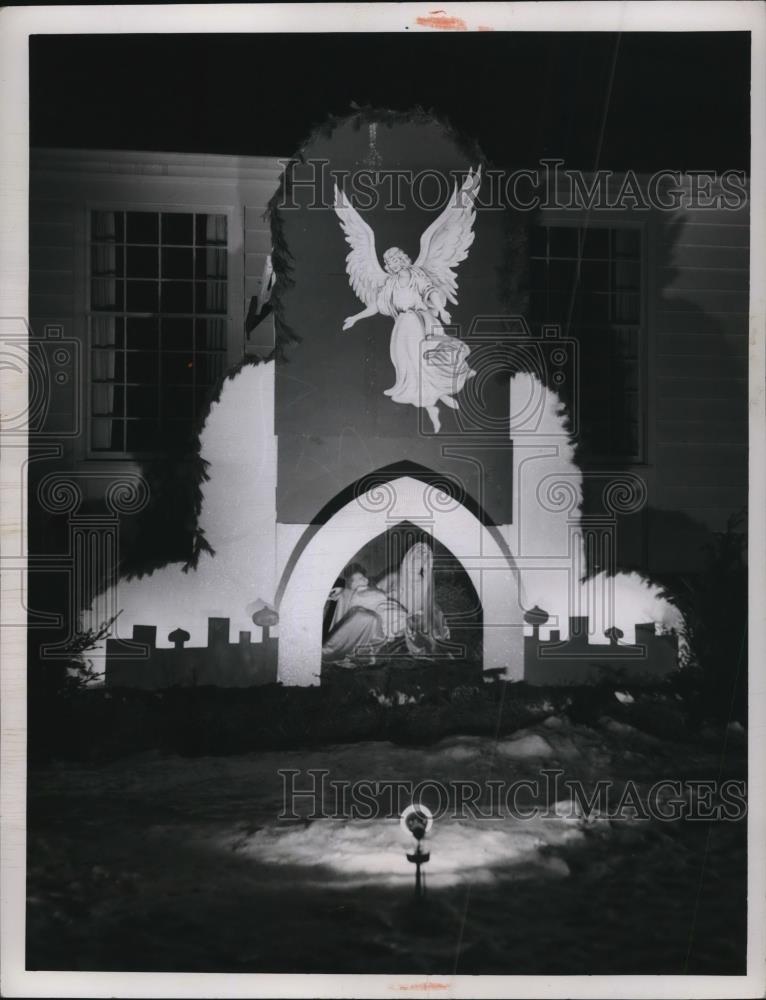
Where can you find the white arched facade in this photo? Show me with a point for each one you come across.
(313, 573)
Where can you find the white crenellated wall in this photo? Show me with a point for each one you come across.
(536, 560)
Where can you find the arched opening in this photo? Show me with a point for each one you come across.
(374, 485)
(392, 576)
(322, 552)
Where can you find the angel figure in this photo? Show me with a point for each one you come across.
(430, 364)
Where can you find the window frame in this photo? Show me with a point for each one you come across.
(614, 220)
(233, 345)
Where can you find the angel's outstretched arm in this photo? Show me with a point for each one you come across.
(437, 301)
(364, 314)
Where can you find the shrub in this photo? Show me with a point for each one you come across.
(714, 606)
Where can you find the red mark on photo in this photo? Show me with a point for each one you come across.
(442, 20)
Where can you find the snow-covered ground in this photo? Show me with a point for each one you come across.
(171, 863)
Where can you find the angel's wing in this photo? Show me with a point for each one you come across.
(446, 241)
(362, 265)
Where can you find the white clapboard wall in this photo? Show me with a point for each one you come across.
(701, 323)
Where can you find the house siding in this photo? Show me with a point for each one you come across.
(701, 369)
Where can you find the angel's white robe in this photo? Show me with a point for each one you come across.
(429, 363)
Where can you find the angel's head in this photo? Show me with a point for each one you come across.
(395, 259)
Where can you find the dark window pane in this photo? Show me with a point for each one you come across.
(178, 369)
(563, 241)
(627, 275)
(211, 263)
(562, 275)
(596, 355)
(538, 243)
(108, 226)
(603, 315)
(107, 259)
(177, 334)
(202, 400)
(596, 242)
(178, 262)
(107, 435)
(150, 371)
(209, 368)
(105, 366)
(627, 242)
(141, 435)
(106, 293)
(538, 306)
(558, 307)
(177, 227)
(627, 307)
(178, 433)
(107, 400)
(626, 437)
(142, 262)
(177, 401)
(593, 307)
(211, 335)
(211, 229)
(142, 334)
(142, 401)
(625, 343)
(603, 439)
(107, 331)
(142, 227)
(211, 296)
(594, 275)
(177, 297)
(627, 374)
(141, 368)
(141, 296)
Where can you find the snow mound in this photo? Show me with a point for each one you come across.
(526, 745)
(367, 851)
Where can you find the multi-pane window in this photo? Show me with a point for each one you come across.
(158, 325)
(588, 280)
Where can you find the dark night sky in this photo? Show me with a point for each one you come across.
(677, 101)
